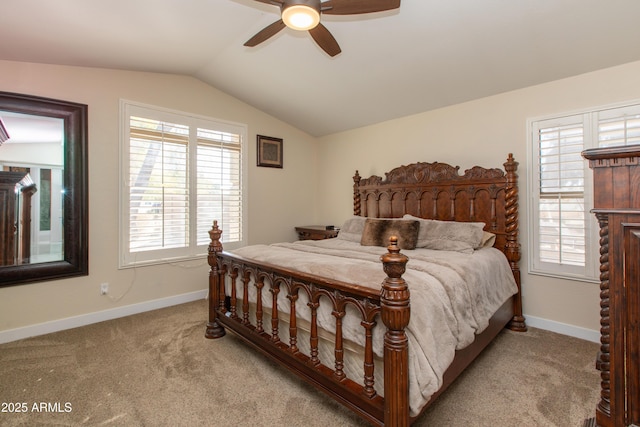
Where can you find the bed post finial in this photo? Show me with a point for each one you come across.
(356, 194)
(512, 247)
(396, 311)
(214, 234)
(214, 329)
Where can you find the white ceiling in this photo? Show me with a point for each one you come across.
(28, 129)
(427, 54)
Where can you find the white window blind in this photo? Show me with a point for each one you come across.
(562, 219)
(619, 126)
(564, 235)
(159, 191)
(180, 173)
(219, 184)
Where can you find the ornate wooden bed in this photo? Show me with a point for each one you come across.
(425, 190)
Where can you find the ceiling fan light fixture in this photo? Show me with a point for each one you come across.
(304, 15)
(300, 17)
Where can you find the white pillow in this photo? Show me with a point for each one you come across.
(352, 229)
(488, 240)
(456, 236)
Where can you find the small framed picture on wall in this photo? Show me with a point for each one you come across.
(269, 151)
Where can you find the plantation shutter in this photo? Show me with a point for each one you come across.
(564, 232)
(561, 193)
(219, 184)
(180, 172)
(159, 187)
(619, 126)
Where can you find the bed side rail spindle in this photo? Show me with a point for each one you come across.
(339, 314)
(293, 321)
(275, 322)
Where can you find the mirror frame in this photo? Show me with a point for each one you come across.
(75, 203)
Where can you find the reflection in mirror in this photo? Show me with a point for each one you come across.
(43, 189)
(34, 150)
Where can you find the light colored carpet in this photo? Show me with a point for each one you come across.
(157, 369)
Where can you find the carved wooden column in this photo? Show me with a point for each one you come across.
(604, 357)
(214, 328)
(512, 247)
(356, 194)
(616, 173)
(396, 312)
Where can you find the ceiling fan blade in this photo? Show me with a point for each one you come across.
(325, 40)
(274, 2)
(265, 33)
(354, 7)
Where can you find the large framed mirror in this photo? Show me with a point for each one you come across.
(43, 189)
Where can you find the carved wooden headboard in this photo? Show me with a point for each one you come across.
(437, 191)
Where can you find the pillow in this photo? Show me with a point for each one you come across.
(424, 229)
(378, 230)
(352, 228)
(456, 236)
(488, 240)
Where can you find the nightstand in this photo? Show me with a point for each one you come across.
(316, 232)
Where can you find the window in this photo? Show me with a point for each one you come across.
(179, 172)
(564, 233)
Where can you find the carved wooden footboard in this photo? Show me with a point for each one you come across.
(428, 190)
(392, 303)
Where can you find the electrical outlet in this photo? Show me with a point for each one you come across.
(104, 288)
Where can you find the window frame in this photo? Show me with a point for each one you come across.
(590, 120)
(192, 250)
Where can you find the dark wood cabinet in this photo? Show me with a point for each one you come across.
(316, 232)
(616, 173)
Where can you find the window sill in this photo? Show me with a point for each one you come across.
(564, 276)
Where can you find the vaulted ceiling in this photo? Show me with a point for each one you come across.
(425, 55)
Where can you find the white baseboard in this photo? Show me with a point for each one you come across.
(563, 328)
(114, 313)
(99, 316)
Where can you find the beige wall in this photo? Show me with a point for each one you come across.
(481, 132)
(272, 211)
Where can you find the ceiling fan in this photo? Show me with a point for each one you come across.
(304, 15)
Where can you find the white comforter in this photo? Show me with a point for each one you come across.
(453, 296)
